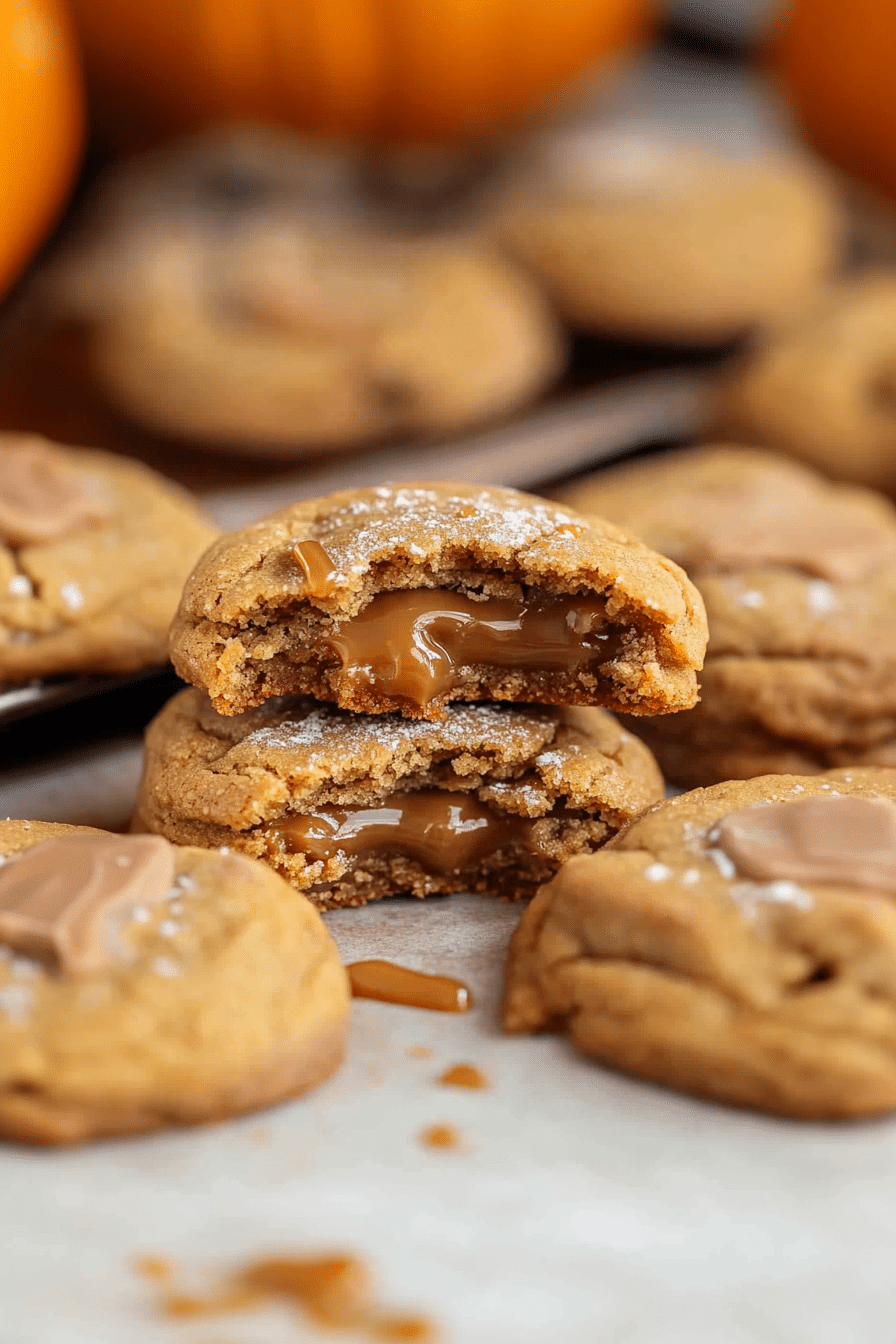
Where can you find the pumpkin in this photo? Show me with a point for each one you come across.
(387, 70)
(838, 60)
(41, 124)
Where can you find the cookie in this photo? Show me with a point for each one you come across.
(737, 942)
(821, 386)
(245, 290)
(654, 240)
(144, 986)
(94, 551)
(406, 597)
(799, 580)
(352, 807)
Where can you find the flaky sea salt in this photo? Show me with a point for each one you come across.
(722, 862)
(16, 1001)
(657, 872)
(72, 596)
(749, 896)
(165, 966)
(751, 598)
(820, 597)
(20, 586)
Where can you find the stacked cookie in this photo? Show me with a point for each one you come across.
(402, 689)
(141, 984)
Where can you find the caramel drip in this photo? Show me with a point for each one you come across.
(230, 1297)
(389, 983)
(317, 567)
(154, 1267)
(440, 1136)
(444, 832)
(413, 645)
(336, 1292)
(464, 1075)
(333, 1289)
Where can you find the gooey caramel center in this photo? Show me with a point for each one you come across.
(444, 832)
(412, 645)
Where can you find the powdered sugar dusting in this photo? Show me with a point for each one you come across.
(314, 735)
(382, 526)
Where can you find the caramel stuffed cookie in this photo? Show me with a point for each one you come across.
(350, 807)
(406, 598)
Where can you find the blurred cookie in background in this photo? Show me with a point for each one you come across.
(244, 290)
(799, 580)
(823, 385)
(94, 552)
(645, 238)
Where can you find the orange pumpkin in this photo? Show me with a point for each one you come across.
(41, 124)
(838, 58)
(400, 70)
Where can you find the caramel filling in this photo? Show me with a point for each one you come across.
(411, 645)
(444, 832)
(316, 566)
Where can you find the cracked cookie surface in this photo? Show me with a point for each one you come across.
(737, 942)
(267, 610)
(533, 784)
(145, 985)
(799, 580)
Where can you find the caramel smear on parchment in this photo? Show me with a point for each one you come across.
(336, 1292)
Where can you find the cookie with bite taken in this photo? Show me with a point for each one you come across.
(143, 985)
(406, 598)
(737, 942)
(352, 807)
